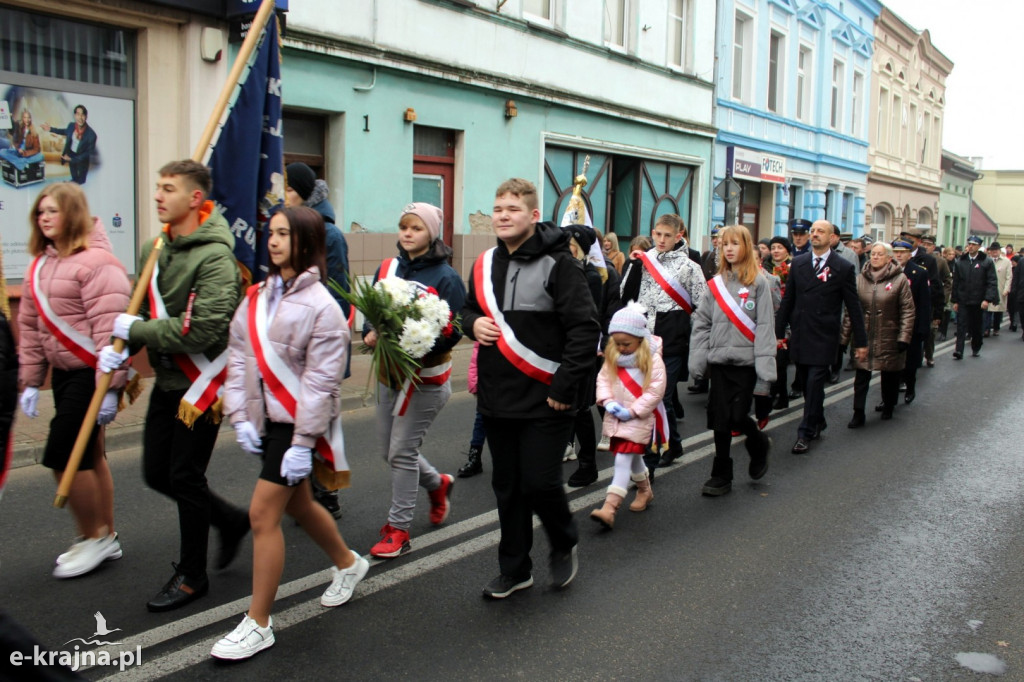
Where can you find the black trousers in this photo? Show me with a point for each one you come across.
(814, 398)
(915, 352)
(527, 480)
(968, 321)
(174, 460)
(890, 388)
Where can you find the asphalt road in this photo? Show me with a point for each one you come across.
(882, 555)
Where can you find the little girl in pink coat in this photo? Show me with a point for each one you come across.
(630, 386)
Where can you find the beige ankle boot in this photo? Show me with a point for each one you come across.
(644, 494)
(606, 514)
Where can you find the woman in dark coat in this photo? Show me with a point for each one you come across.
(888, 304)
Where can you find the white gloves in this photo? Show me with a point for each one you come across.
(109, 359)
(30, 402)
(249, 438)
(108, 410)
(124, 322)
(618, 411)
(296, 464)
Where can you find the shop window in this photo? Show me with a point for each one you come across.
(624, 194)
(45, 46)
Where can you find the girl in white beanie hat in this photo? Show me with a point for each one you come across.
(630, 386)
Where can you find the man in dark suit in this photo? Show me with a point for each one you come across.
(921, 289)
(820, 282)
(79, 144)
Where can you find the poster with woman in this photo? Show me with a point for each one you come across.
(50, 136)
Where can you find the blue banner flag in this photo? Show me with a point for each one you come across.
(248, 157)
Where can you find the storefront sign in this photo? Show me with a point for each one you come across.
(106, 172)
(750, 165)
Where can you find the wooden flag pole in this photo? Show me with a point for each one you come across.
(265, 12)
(263, 15)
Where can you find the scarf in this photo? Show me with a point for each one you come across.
(79, 132)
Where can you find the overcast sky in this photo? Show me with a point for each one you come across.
(985, 91)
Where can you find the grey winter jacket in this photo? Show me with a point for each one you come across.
(716, 340)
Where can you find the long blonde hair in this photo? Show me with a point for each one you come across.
(642, 353)
(746, 268)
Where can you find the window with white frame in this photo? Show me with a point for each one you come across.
(936, 135)
(899, 121)
(741, 48)
(911, 135)
(776, 64)
(882, 127)
(680, 22)
(616, 23)
(803, 84)
(857, 104)
(838, 80)
(926, 129)
(542, 10)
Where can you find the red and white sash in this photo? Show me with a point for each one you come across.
(524, 359)
(284, 385)
(632, 380)
(79, 344)
(388, 268)
(669, 284)
(731, 308)
(435, 376)
(207, 376)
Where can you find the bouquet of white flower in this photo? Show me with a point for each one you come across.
(408, 317)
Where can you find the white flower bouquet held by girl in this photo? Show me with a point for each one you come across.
(408, 317)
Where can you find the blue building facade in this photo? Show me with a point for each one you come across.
(793, 96)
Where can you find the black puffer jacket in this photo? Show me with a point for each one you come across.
(544, 297)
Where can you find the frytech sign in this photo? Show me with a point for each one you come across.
(750, 165)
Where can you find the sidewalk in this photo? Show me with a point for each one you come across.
(126, 431)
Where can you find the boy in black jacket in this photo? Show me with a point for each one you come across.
(530, 309)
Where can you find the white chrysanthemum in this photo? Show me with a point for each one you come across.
(417, 337)
(434, 309)
(395, 287)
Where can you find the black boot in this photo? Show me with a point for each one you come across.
(473, 465)
(857, 421)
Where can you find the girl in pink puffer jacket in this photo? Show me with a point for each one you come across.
(73, 290)
(287, 348)
(630, 386)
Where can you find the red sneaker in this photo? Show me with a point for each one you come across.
(735, 434)
(393, 542)
(762, 422)
(441, 500)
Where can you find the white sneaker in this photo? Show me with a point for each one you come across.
(86, 555)
(115, 554)
(245, 640)
(344, 581)
(605, 444)
(570, 453)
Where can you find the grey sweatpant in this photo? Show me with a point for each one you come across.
(401, 438)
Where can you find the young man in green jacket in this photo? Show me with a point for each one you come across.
(183, 324)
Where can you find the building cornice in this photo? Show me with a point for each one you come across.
(892, 181)
(367, 54)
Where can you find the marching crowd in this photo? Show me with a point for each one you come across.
(556, 334)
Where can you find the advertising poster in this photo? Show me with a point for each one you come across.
(49, 136)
